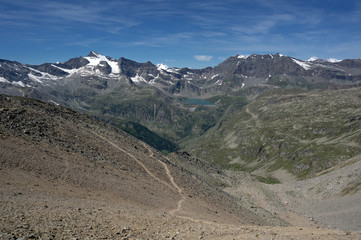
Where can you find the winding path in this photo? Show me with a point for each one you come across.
(171, 178)
(135, 159)
(173, 184)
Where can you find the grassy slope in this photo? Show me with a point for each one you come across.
(168, 117)
(301, 132)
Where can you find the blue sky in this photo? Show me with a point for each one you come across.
(178, 33)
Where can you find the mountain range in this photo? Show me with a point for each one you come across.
(175, 103)
(102, 74)
(257, 140)
(168, 107)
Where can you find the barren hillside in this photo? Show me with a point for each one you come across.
(65, 175)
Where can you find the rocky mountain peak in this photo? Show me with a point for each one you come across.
(236, 72)
(93, 54)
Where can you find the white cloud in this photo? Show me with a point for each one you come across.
(203, 57)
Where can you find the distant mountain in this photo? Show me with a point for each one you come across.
(316, 59)
(153, 95)
(270, 118)
(234, 73)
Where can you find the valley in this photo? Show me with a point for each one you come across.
(156, 96)
(258, 147)
(111, 185)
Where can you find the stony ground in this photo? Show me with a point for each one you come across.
(66, 176)
(33, 209)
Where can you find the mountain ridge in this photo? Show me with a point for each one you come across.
(153, 95)
(241, 67)
(264, 121)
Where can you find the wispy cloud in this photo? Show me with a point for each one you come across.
(50, 13)
(262, 25)
(172, 28)
(354, 16)
(88, 42)
(204, 58)
(161, 40)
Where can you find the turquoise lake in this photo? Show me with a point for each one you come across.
(198, 102)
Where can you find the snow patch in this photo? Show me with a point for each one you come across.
(312, 59)
(53, 102)
(188, 76)
(21, 84)
(4, 80)
(173, 70)
(138, 79)
(163, 67)
(243, 76)
(70, 71)
(214, 76)
(34, 78)
(333, 60)
(219, 82)
(44, 76)
(95, 61)
(302, 64)
(269, 76)
(242, 56)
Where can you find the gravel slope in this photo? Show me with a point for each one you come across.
(66, 176)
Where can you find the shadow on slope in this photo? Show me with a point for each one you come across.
(51, 154)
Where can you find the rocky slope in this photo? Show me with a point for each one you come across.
(54, 159)
(300, 132)
(279, 118)
(65, 175)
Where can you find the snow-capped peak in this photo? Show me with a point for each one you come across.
(95, 58)
(94, 55)
(302, 64)
(242, 56)
(162, 66)
(312, 59)
(333, 60)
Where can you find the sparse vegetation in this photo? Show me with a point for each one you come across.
(351, 188)
(268, 179)
(303, 132)
(171, 120)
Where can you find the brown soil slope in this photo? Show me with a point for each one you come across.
(50, 151)
(64, 175)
